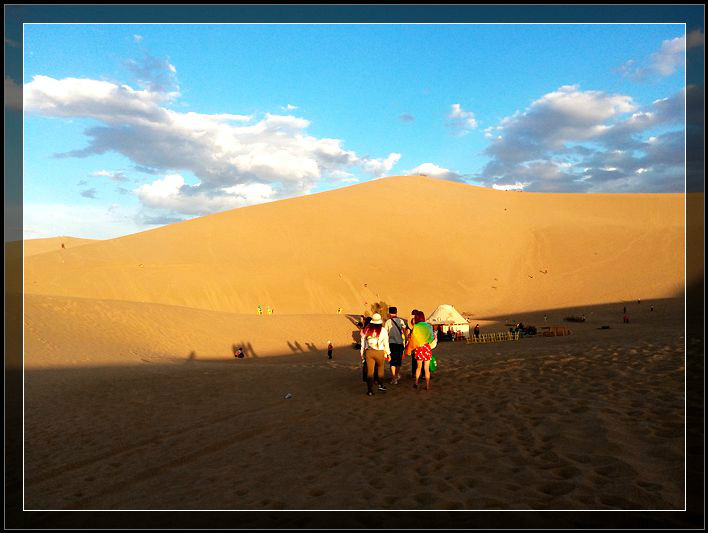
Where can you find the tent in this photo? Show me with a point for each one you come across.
(447, 317)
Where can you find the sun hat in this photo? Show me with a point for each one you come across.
(376, 319)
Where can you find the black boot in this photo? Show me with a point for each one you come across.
(370, 386)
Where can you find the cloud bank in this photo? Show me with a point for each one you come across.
(571, 140)
(236, 159)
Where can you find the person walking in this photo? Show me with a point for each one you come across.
(330, 348)
(476, 332)
(419, 346)
(409, 331)
(374, 350)
(396, 342)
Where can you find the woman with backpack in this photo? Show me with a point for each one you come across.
(422, 341)
(374, 350)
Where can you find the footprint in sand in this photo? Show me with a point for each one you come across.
(651, 487)
(616, 470)
(556, 488)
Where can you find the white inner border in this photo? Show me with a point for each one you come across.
(685, 310)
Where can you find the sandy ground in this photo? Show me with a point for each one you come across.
(594, 420)
(134, 401)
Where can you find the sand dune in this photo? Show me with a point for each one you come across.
(63, 331)
(435, 241)
(134, 401)
(52, 244)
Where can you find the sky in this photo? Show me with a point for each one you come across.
(129, 127)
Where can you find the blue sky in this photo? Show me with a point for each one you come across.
(132, 126)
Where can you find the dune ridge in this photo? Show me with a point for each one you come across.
(433, 241)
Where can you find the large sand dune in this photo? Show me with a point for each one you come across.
(134, 401)
(411, 241)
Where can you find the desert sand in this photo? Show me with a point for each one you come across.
(133, 399)
(589, 421)
(40, 246)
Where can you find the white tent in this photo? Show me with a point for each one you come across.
(447, 315)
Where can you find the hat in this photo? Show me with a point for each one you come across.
(376, 319)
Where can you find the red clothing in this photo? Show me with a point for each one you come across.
(423, 353)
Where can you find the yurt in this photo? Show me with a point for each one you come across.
(447, 318)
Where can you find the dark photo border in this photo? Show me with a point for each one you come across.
(15, 518)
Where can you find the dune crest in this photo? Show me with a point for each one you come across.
(413, 241)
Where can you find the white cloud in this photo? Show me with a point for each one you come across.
(461, 121)
(571, 140)
(114, 175)
(434, 171)
(289, 107)
(518, 186)
(171, 194)
(379, 167)
(221, 150)
(669, 57)
(665, 61)
(138, 38)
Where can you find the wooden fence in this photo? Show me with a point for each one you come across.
(494, 337)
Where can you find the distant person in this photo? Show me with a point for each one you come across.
(625, 319)
(396, 342)
(639, 301)
(330, 348)
(419, 346)
(269, 311)
(62, 245)
(476, 331)
(362, 322)
(651, 308)
(259, 310)
(624, 310)
(374, 350)
(239, 353)
(545, 318)
(339, 310)
(409, 331)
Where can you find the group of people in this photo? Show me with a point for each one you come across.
(392, 341)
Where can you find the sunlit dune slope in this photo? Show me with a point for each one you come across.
(52, 244)
(411, 241)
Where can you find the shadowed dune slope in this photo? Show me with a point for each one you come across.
(63, 331)
(411, 241)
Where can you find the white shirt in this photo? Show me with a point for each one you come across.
(376, 343)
